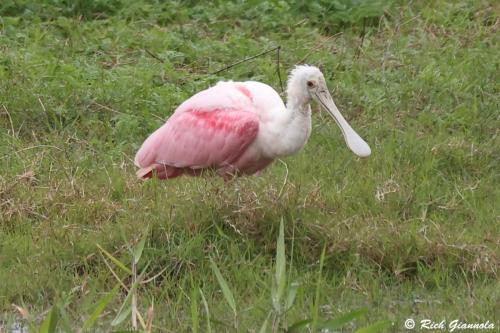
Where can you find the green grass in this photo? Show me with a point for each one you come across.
(412, 231)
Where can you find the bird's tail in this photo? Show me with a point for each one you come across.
(160, 171)
(145, 173)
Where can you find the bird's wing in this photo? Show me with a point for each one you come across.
(200, 139)
(225, 95)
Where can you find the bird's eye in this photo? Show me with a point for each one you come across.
(310, 84)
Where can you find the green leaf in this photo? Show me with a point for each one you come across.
(122, 315)
(379, 326)
(205, 304)
(274, 297)
(344, 319)
(114, 260)
(299, 324)
(49, 325)
(280, 264)
(99, 308)
(228, 295)
(140, 247)
(292, 292)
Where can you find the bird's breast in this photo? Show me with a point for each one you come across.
(283, 135)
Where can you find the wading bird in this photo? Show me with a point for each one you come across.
(238, 128)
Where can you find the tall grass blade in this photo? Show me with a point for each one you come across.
(120, 317)
(99, 308)
(315, 314)
(49, 325)
(194, 310)
(228, 295)
(141, 320)
(205, 304)
(379, 326)
(280, 264)
(114, 260)
(263, 328)
(149, 317)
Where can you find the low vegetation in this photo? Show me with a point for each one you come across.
(411, 232)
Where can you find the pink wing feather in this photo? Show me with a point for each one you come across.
(212, 129)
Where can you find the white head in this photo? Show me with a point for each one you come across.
(306, 83)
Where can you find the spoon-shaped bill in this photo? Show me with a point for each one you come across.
(352, 139)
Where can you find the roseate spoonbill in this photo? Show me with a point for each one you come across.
(239, 128)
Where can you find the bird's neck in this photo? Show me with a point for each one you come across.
(296, 124)
(298, 105)
(298, 108)
(298, 98)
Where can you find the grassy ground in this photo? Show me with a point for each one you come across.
(411, 232)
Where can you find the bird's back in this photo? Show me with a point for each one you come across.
(262, 96)
(253, 96)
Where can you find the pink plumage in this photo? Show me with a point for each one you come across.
(239, 128)
(211, 130)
